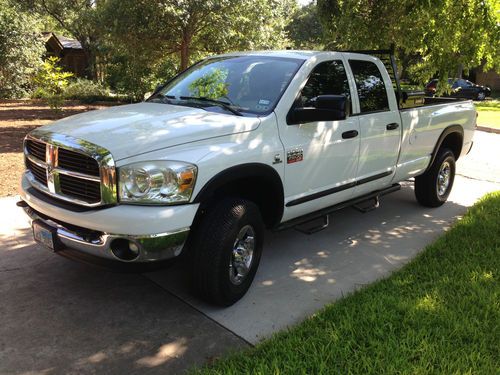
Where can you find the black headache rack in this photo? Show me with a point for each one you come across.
(407, 98)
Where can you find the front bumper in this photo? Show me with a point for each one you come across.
(159, 233)
(152, 248)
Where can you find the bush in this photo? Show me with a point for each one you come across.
(51, 81)
(21, 50)
(86, 91)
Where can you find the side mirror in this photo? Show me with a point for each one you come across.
(323, 108)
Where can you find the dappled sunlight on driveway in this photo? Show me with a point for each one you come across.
(300, 273)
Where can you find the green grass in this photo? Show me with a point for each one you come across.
(489, 113)
(440, 314)
(488, 105)
(489, 118)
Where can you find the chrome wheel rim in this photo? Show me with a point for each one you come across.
(242, 255)
(443, 180)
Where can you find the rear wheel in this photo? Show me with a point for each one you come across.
(226, 250)
(434, 186)
(481, 96)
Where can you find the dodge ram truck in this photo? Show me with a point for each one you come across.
(237, 144)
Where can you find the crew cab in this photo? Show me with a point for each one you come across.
(236, 144)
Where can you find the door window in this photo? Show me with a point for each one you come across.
(370, 86)
(327, 78)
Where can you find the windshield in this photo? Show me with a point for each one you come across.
(252, 84)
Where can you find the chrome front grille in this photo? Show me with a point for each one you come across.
(37, 149)
(39, 173)
(70, 169)
(88, 191)
(77, 162)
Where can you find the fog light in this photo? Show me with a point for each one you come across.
(133, 247)
(124, 249)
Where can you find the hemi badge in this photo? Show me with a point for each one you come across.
(294, 156)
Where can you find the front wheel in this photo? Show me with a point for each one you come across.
(434, 186)
(481, 96)
(226, 249)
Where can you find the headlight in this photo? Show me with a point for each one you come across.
(157, 182)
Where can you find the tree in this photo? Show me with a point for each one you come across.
(21, 50)
(188, 27)
(305, 30)
(141, 35)
(79, 18)
(433, 37)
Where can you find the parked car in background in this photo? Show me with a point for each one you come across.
(460, 88)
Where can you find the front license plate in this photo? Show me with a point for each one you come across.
(45, 235)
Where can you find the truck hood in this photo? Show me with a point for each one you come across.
(134, 129)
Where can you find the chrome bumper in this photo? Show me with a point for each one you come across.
(152, 248)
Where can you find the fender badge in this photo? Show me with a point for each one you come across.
(294, 156)
(277, 159)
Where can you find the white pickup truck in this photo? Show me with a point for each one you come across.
(235, 144)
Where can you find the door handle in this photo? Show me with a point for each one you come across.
(392, 126)
(350, 134)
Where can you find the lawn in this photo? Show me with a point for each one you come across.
(440, 314)
(489, 113)
(489, 119)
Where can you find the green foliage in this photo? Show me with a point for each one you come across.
(440, 314)
(78, 18)
(86, 91)
(305, 30)
(433, 37)
(150, 41)
(21, 49)
(51, 81)
(211, 85)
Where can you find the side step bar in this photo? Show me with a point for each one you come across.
(326, 211)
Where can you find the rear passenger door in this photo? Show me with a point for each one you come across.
(379, 124)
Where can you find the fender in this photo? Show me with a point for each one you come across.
(273, 198)
(446, 132)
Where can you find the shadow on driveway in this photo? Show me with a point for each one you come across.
(61, 317)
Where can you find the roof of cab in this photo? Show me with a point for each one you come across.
(294, 54)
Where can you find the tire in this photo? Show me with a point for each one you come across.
(219, 275)
(481, 96)
(434, 186)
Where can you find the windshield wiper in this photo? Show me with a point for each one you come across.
(158, 98)
(220, 103)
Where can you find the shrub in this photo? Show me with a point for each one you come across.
(51, 81)
(86, 91)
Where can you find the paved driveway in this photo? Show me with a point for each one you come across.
(62, 317)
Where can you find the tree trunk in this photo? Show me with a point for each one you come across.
(91, 59)
(185, 50)
(460, 70)
(184, 56)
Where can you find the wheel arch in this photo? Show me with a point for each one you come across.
(257, 182)
(452, 137)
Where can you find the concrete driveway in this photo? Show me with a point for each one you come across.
(63, 317)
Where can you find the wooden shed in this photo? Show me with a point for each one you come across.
(70, 52)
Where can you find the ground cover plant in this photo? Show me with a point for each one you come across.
(440, 314)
